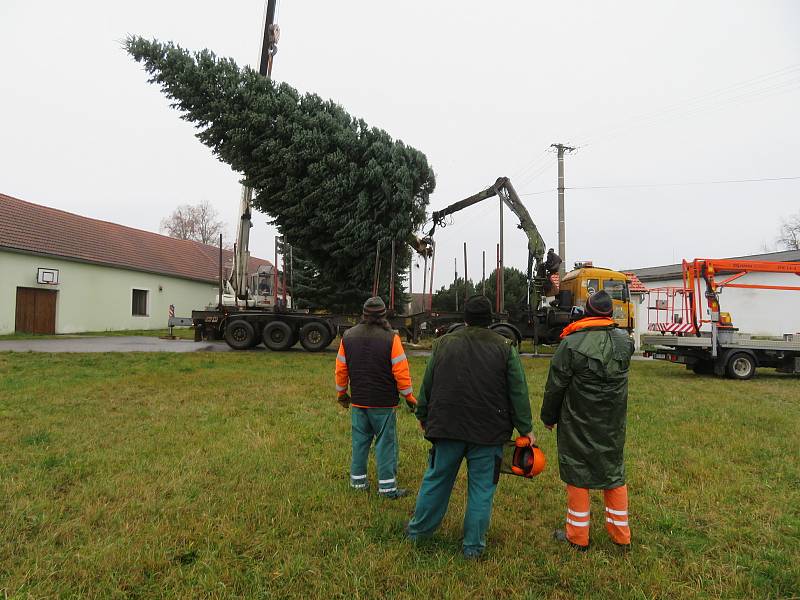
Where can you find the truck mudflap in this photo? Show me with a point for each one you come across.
(669, 356)
(791, 365)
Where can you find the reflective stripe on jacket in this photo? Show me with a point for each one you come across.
(373, 362)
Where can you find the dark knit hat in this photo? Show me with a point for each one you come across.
(374, 307)
(478, 311)
(599, 305)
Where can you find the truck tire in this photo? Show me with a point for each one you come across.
(315, 336)
(256, 338)
(239, 334)
(278, 336)
(703, 367)
(741, 365)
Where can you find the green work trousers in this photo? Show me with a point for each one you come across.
(434, 495)
(379, 424)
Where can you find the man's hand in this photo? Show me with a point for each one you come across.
(549, 427)
(422, 426)
(344, 400)
(531, 437)
(411, 403)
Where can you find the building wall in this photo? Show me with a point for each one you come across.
(96, 298)
(759, 312)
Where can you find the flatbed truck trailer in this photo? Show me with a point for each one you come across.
(731, 354)
(280, 330)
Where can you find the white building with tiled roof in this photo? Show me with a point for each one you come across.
(64, 273)
(755, 311)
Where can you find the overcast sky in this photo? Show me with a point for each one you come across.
(668, 93)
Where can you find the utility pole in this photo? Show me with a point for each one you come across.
(500, 279)
(561, 148)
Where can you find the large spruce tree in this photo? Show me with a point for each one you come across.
(334, 186)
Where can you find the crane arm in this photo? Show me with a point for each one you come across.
(241, 261)
(503, 188)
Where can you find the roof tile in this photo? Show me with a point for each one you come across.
(29, 227)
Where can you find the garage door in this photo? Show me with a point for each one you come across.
(36, 310)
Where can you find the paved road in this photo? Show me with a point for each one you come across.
(111, 344)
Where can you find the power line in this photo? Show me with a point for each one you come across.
(634, 185)
(669, 184)
(769, 84)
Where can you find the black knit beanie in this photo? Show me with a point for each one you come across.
(599, 305)
(478, 311)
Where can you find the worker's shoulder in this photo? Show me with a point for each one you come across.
(363, 330)
(482, 334)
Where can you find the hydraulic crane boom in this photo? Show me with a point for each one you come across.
(238, 278)
(705, 269)
(503, 188)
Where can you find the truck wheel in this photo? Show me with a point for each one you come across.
(741, 366)
(256, 338)
(277, 336)
(703, 367)
(506, 332)
(315, 336)
(239, 334)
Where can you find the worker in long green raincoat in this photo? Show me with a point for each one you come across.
(473, 396)
(586, 397)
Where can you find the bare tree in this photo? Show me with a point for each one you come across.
(197, 222)
(790, 232)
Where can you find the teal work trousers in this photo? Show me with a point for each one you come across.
(379, 424)
(483, 464)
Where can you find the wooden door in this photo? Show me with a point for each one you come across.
(36, 310)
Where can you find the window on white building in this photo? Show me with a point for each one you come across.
(139, 304)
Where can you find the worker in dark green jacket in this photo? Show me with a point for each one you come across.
(472, 397)
(586, 396)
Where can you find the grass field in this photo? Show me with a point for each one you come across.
(226, 474)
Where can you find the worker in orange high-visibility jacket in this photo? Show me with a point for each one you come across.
(372, 361)
(586, 397)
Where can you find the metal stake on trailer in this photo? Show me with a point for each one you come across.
(377, 268)
(425, 282)
(466, 289)
(220, 272)
(483, 277)
(455, 280)
(433, 263)
(391, 280)
(497, 282)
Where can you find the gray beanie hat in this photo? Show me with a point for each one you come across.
(374, 307)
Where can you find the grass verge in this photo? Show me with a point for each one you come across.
(226, 474)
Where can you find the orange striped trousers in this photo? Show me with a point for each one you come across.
(616, 515)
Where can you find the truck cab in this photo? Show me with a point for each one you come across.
(587, 279)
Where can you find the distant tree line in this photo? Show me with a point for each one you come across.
(516, 289)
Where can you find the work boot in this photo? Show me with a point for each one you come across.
(398, 493)
(473, 554)
(560, 535)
